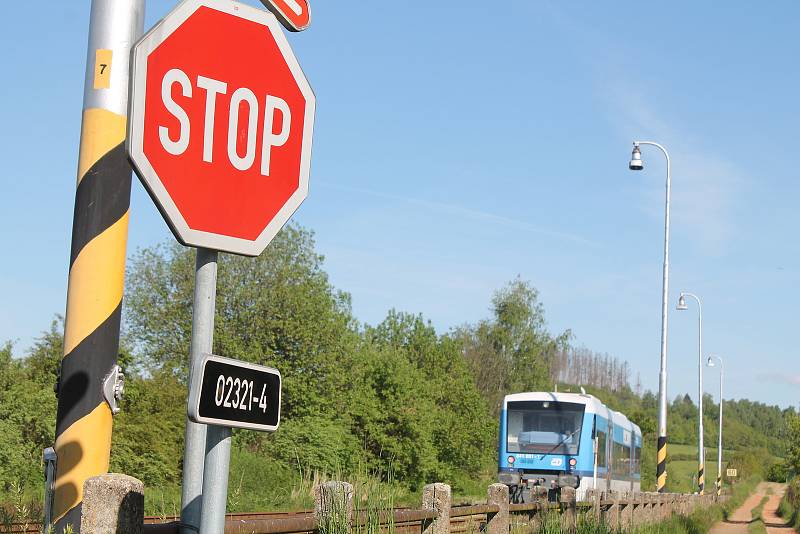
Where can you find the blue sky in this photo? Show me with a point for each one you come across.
(458, 146)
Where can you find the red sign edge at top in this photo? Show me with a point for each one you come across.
(286, 12)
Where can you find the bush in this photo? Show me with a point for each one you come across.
(778, 472)
(789, 508)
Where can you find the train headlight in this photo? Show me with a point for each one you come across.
(511, 460)
(573, 462)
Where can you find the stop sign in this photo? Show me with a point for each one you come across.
(220, 125)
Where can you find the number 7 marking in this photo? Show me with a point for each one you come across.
(102, 68)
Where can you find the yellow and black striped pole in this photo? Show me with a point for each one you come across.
(701, 479)
(97, 259)
(661, 466)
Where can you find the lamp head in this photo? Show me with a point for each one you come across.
(711, 362)
(636, 163)
(682, 303)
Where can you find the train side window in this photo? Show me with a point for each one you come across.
(622, 460)
(601, 448)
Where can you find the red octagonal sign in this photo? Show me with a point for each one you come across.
(220, 126)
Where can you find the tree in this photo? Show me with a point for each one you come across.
(512, 351)
(148, 432)
(452, 423)
(278, 309)
(793, 444)
(353, 396)
(27, 409)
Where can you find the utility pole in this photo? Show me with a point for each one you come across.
(701, 452)
(90, 381)
(636, 164)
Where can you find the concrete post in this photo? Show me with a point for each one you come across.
(658, 512)
(537, 518)
(626, 513)
(569, 515)
(439, 498)
(638, 510)
(594, 497)
(112, 503)
(498, 523)
(644, 509)
(655, 508)
(611, 515)
(605, 509)
(333, 506)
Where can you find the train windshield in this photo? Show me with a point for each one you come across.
(544, 427)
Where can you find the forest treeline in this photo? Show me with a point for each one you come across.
(355, 396)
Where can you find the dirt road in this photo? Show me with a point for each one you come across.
(737, 523)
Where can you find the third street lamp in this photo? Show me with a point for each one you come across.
(719, 444)
(636, 164)
(701, 452)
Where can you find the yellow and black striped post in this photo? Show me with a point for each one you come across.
(661, 466)
(97, 259)
(719, 486)
(701, 479)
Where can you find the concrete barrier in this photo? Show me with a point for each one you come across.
(498, 523)
(439, 498)
(333, 506)
(112, 504)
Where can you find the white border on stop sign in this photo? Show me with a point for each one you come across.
(135, 138)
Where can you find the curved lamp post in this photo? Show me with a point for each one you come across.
(636, 164)
(719, 445)
(701, 452)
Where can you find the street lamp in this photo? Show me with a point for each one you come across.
(719, 445)
(701, 479)
(636, 164)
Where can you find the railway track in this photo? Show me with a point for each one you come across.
(36, 527)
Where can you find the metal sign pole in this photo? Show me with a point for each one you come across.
(166, 168)
(215, 481)
(205, 295)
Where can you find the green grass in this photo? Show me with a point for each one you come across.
(789, 509)
(697, 523)
(682, 467)
(472, 490)
(757, 526)
(682, 475)
(19, 506)
(740, 492)
(702, 520)
(257, 486)
(163, 501)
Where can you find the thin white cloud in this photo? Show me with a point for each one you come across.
(792, 380)
(465, 212)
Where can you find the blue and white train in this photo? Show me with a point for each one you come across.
(557, 440)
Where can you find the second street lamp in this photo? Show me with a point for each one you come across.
(701, 453)
(636, 164)
(719, 444)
